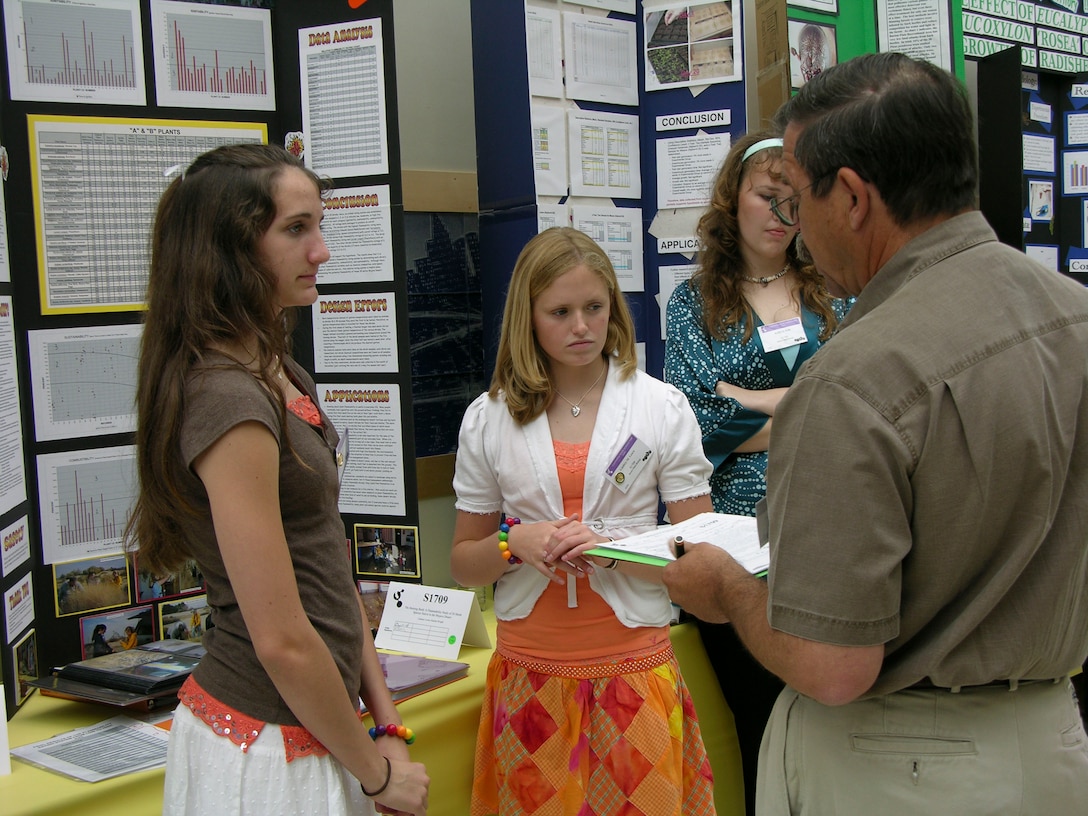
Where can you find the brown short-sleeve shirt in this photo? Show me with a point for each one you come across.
(219, 397)
(928, 474)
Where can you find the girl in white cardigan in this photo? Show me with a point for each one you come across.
(573, 446)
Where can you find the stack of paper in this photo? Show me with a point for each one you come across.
(737, 535)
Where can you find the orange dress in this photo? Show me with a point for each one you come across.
(583, 715)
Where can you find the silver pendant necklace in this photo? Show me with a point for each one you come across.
(763, 281)
(575, 408)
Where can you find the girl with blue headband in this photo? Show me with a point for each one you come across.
(736, 334)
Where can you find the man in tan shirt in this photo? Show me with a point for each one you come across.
(927, 504)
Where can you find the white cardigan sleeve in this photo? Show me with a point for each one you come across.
(474, 480)
(684, 470)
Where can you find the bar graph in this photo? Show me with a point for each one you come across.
(213, 56)
(87, 497)
(113, 70)
(191, 76)
(1075, 172)
(95, 510)
(89, 52)
(1078, 174)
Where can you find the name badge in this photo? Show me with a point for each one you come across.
(342, 454)
(782, 334)
(628, 463)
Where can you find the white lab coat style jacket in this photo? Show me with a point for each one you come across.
(503, 466)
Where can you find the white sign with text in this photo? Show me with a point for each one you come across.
(430, 621)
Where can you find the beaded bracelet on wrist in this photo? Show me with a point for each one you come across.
(393, 730)
(504, 537)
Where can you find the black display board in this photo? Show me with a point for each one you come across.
(59, 639)
(1020, 109)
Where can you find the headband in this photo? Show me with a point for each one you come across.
(762, 144)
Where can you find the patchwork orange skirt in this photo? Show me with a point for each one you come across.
(620, 739)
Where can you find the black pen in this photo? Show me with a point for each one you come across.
(678, 545)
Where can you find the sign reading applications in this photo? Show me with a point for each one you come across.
(686, 243)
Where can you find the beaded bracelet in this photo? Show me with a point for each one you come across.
(393, 730)
(385, 784)
(504, 536)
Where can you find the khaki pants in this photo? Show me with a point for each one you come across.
(927, 752)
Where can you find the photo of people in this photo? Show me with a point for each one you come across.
(26, 663)
(92, 583)
(385, 551)
(186, 619)
(115, 631)
(153, 587)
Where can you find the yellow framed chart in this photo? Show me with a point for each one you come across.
(96, 182)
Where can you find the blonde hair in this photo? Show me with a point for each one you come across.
(521, 366)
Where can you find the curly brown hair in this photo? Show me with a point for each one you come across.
(720, 261)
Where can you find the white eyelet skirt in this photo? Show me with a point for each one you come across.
(207, 773)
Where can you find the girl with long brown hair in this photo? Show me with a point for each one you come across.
(238, 471)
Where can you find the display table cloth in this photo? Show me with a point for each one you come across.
(444, 719)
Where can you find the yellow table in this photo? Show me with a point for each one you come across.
(445, 719)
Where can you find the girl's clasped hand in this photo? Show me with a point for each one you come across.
(554, 547)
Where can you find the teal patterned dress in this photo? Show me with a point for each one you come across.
(695, 362)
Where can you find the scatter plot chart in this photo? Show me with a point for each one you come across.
(84, 381)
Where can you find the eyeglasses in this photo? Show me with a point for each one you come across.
(785, 209)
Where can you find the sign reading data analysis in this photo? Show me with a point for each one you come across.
(342, 74)
(96, 184)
